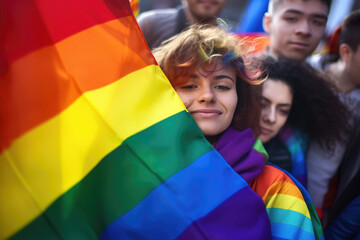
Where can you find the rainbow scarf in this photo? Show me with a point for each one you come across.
(289, 207)
(96, 143)
(296, 143)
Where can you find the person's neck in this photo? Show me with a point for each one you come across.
(194, 20)
(341, 77)
(213, 139)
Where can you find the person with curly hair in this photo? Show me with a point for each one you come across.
(209, 70)
(295, 108)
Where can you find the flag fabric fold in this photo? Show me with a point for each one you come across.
(94, 141)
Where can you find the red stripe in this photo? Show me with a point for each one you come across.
(269, 176)
(27, 25)
(44, 83)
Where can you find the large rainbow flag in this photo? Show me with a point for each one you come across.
(95, 143)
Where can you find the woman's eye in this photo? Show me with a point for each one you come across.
(188, 87)
(222, 87)
(284, 112)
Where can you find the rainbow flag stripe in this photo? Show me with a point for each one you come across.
(135, 7)
(94, 142)
(291, 211)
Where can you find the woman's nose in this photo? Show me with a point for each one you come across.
(207, 94)
(270, 115)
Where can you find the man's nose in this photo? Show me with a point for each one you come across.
(304, 28)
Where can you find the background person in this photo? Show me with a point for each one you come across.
(295, 106)
(161, 24)
(342, 70)
(295, 27)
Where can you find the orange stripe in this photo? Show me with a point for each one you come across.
(42, 84)
(30, 25)
(271, 180)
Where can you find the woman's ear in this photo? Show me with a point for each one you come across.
(267, 22)
(345, 52)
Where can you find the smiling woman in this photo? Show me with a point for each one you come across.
(209, 70)
(211, 103)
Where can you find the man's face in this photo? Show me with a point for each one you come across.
(354, 66)
(201, 9)
(296, 28)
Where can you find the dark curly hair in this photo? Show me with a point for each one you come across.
(316, 108)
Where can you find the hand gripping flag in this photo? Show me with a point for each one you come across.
(95, 143)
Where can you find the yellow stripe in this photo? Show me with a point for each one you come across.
(47, 161)
(287, 202)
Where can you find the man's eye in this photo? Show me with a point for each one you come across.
(318, 22)
(291, 19)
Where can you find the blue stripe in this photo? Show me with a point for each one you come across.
(285, 231)
(285, 216)
(297, 156)
(182, 199)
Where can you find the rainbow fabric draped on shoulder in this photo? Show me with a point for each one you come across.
(94, 141)
(291, 211)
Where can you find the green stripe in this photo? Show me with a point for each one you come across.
(121, 180)
(259, 147)
(315, 221)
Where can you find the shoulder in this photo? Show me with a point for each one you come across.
(288, 205)
(157, 15)
(274, 181)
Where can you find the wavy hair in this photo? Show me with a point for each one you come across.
(316, 108)
(182, 54)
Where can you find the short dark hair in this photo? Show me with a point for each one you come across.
(273, 4)
(349, 33)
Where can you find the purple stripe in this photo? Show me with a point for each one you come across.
(243, 216)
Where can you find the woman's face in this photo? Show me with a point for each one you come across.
(210, 97)
(276, 103)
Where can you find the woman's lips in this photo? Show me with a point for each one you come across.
(206, 113)
(265, 131)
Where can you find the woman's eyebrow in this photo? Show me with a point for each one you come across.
(218, 77)
(194, 75)
(285, 105)
(266, 99)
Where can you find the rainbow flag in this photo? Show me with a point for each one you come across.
(135, 7)
(291, 211)
(95, 143)
(297, 143)
(250, 27)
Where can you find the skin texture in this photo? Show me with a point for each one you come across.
(353, 66)
(204, 11)
(296, 27)
(210, 97)
(345, 72)
(276, 103)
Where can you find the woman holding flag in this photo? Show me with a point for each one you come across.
(209, 70)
